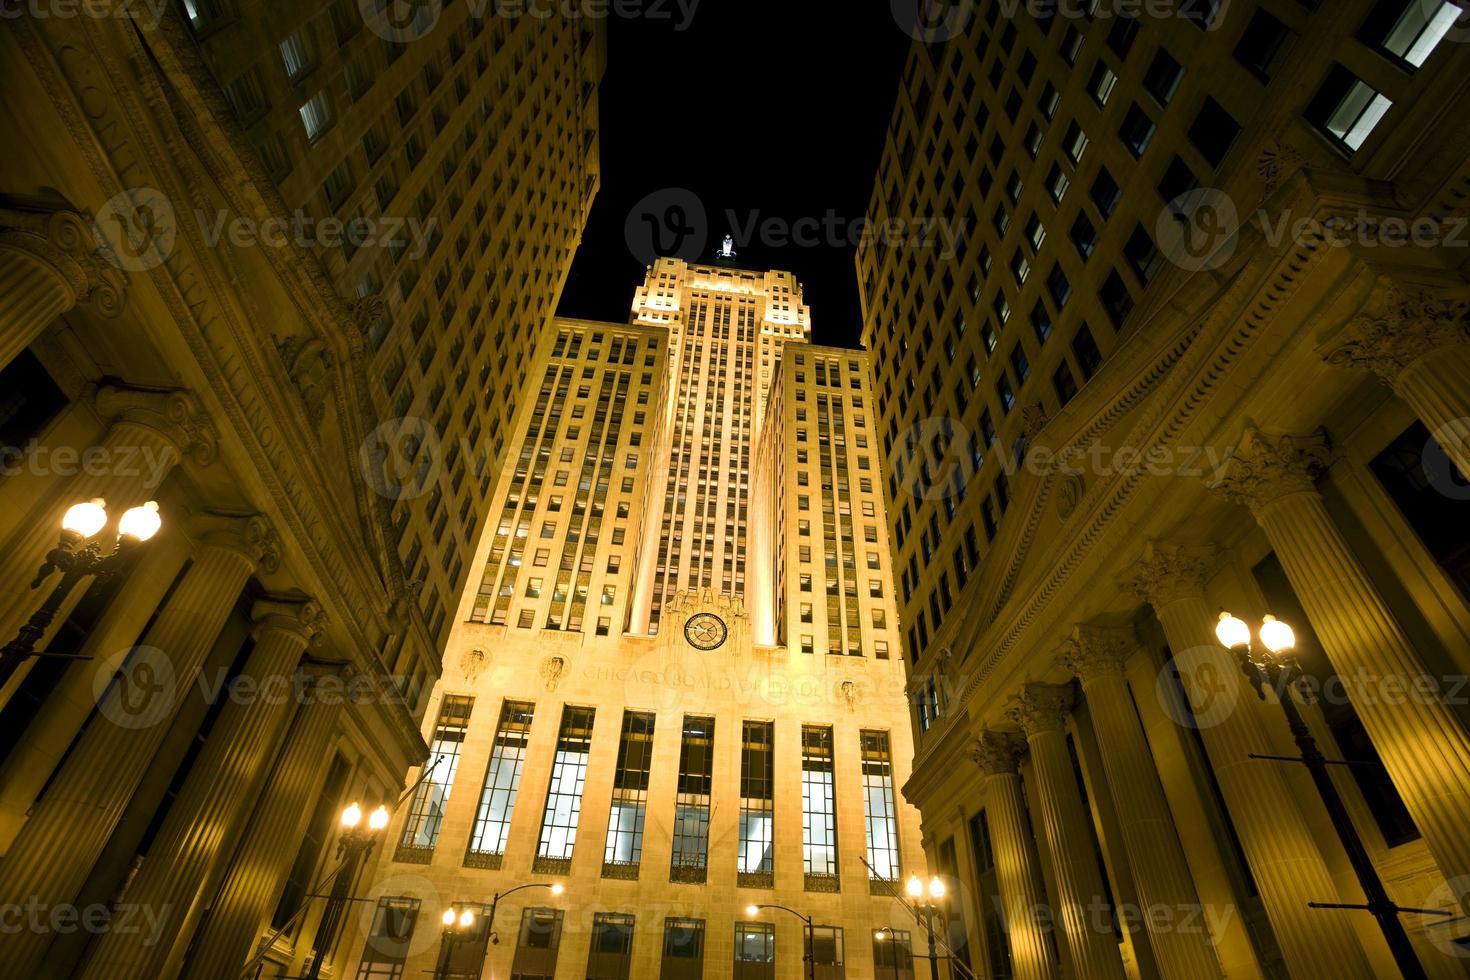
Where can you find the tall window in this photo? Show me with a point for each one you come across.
(610, 956)
(502, 780)
(426, 816)
(564, 797)
(827, 952)
(537, 945)
(893, 955)
(630, 797)
(757, 804)
(879, 813)
(388, 939)
(755, 950)
(683, 957)
(691, 806)
(818, 810)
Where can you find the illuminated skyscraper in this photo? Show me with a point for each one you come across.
(672, 690)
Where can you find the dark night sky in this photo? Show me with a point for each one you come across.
(774, 110)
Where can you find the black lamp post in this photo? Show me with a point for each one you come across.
(1278, 668)
(352, 847)
(811, 961)
(926, 907)
(77, 557)
(457, 923)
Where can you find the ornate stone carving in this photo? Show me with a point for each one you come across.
(1041, 708)
(176, 413)
(1276, 162)
(472, 662)
(998, 753)
(1400, 325)
(64, 241)
(1097, 651)
(303, 616)
(252, 536)
(1033, 420)
(1069, 494)
(1168, 572)
(372, 315)
(849, 691)
(551, 670)
(1264, 468)
(309, 366)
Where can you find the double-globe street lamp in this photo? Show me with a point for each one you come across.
(751, 911)
(357, 839)
(459, 921)
(926, 909)
(77, 556)
(1278, 668)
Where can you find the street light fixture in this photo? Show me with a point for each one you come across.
(457, 923)
(883, 936)
(751, 911)
(352, 847)
(934, 892)
(555, 887)
(1278, 667)
(76, 556)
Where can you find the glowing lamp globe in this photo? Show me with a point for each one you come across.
(85, 519)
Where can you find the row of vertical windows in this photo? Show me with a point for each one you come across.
(623, 849)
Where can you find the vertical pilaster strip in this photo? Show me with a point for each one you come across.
(1082, 913)
(1017, 868)
(1155, 856)
(203, 819)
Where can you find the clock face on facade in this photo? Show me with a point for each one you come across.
(705, 631)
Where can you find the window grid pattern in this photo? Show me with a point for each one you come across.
(426, 814)
(564, 796)
(818, 810)
(624, 848)
(880, 813)
(502, 782)
(757, 804)
(692, 804)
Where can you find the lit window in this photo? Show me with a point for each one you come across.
(1347, 108)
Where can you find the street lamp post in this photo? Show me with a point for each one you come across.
(926, 900)
(457, 922)
(752, 911)
(1278, 668)
(352, 847)
(556, 889)
(76, 557)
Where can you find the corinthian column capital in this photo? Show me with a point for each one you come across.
(1400, 324)
(1097, 651)
(1040, 708)
(63, 242)
(1263, 468)
(998, 753)
(251, 536)
(1169, 572)
(174, 412)
(301, 617)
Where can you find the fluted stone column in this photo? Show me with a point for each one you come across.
(1081, 903)
(1422, 744)
(48, 264)
(254, 881)
(1018, 872)
(218, 791)
(151, 431)
(69, 828)
(1161, 875)
(1284, 859)
(1418, 343)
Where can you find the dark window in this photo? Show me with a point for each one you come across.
(1058, 286)
(1084, 236)
(1116, 299)
(1213, 131)
(1177, 180)
(1124, 32)
(1041, 322)
(28, 400)
(1064, 383)
(683, 957)
(610, 955)
(1260, 47)
(1142, 254)
(1163, 76)
(1084, 348)
(1137, 130)
(1105, 193)
(1433, 497)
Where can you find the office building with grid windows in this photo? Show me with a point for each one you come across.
(672, 690)
(1202, 344)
